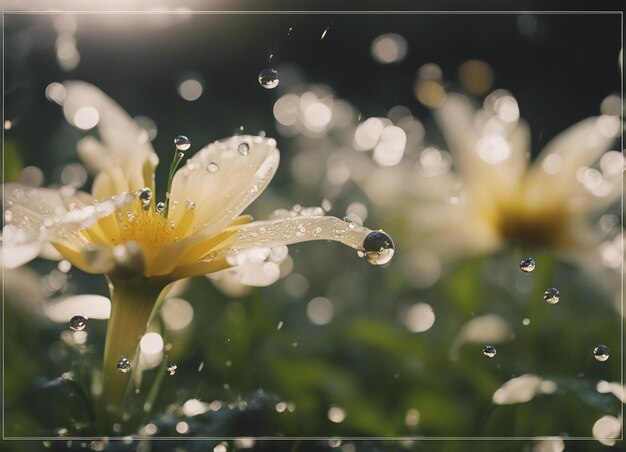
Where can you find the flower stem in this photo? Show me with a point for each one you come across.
(175, 161)
(132, 303)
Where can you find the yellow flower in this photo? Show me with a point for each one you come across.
(142, 246)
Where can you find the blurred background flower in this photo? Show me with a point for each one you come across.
(352, 116)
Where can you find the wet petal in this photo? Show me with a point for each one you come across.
(221, 180)
(287, 231)
(47, 215)
(124, 144)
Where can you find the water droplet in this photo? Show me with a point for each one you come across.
(527, 265)
(378, 248)
(78, 323)
(160, 207)
(190, 205)
(145, 196)
(243, 148)
(182, 143)
(601, 352)
(268, 78)
(552, 295)
(171, 368)
(123, 365)
(489, 351)
(212, 167)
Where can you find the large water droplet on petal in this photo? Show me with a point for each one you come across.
(182, 143)
(212, 167)
(552, 295)
(78, 323)
(527, 265)
(243, 148)
(123, 365)
(378, 248)
(601, 352)
(160, 207)
(268, 78)
(489, 351)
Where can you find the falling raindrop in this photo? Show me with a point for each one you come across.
(78, 323)
(212, 167)
(489, 351)
(182, 143)
(552, 295)
(268, 78)
(601, 352)
(171, 368)
(243, 148)
(160, 207)
(527, 265)
(123, 365)
(378, 248)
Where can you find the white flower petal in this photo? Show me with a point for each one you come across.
(15, 255)
(486, 329)
(48, 215)
(579, 145)
(522, 389)
(607, 429)
(49, 252)
(89, 306)
(222, 179)
(253, 267)
(124, 144)
(490, 163)
(287, 231)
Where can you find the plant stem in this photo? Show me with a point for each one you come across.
(175, 161)
(132, 303)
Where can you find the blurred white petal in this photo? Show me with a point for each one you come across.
(522, 389)
(90, 306)
(486, 329)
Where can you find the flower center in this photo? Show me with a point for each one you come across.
(539, 228)
(149, 229)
